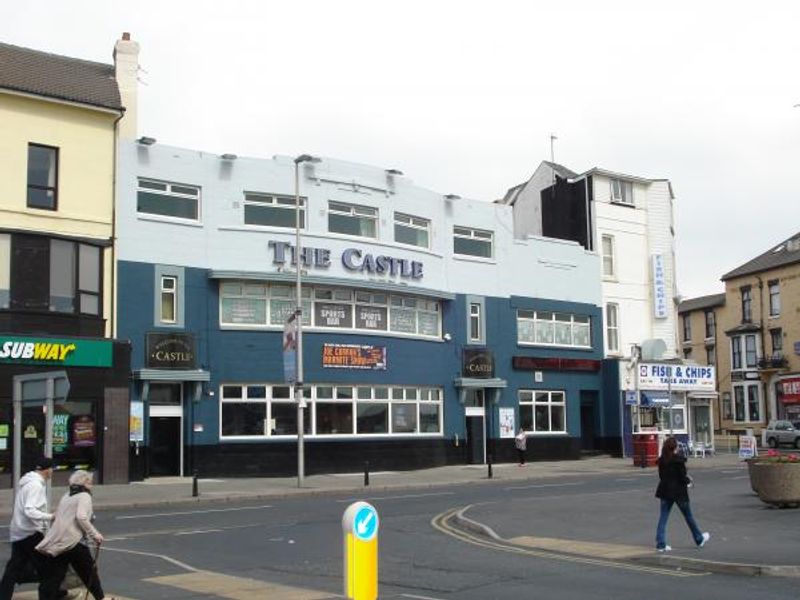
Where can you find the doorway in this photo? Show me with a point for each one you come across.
(701, 423)
(166, 430)
(475, 426)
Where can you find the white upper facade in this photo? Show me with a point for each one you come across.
(217, 196)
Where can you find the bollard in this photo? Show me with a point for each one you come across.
(366, 473)
(195, 492)
(489, 464)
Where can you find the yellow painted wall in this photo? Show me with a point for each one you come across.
(85, 139)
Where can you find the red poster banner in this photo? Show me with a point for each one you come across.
(790, 389)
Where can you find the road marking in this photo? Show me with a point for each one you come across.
(193, 512)
(403, 497)
(236, 588)
(542, 485)
(198, 531)
(361, 474)
(729, 472)
(169, 559)
(740, 477)
(626, 479)
(441, 523)
(419, 597)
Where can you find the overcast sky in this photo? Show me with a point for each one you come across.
(463, 96)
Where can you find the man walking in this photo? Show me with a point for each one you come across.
(29, 521)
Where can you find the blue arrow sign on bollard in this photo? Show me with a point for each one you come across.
(365, 524)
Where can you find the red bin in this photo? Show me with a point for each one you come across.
(645, 449)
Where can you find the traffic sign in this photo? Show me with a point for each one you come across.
(360, 528)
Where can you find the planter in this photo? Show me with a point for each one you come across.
(776, 483)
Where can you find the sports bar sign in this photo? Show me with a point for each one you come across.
(353, 356)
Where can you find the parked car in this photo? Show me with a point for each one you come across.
(782, 432)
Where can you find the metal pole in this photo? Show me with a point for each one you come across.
(17, 436)
(669, 393)
(299, 320)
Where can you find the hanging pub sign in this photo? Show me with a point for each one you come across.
(478, 363)
(170, 351)
(353, 356)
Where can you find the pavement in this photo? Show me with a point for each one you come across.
(748, 537)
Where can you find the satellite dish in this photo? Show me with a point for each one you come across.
(653, 349)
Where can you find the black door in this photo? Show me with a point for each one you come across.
(587, 427)
(475, 437)
(165, 446)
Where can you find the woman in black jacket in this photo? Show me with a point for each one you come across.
(671, 490)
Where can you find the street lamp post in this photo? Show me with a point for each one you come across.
(301, 402)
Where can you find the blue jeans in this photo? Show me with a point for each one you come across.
(686, 509)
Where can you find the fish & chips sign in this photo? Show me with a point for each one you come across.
(690, 378)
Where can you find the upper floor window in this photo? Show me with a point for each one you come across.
(750, 351)
(608, 256)
(5, 269)
(736, 353)
(747, 304)
(612, 327)
(776, 335)
(273, 211)
(774, 299)
(621, 191)
(474, 322)
(687, 327)
(168, 199)
(352, 219)
(711, 355)
(42, 177)
(710, 325)
(553, 329)
(472, 242)
(169, 305)
(414, 231)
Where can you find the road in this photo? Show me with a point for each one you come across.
(291, 548)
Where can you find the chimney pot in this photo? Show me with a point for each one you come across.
(126, 36)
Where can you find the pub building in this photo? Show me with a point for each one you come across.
(430, 333)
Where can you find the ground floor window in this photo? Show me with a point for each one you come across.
(542, 411)
(660, 416)
(265, 410)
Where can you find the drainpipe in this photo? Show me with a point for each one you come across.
(113, 315)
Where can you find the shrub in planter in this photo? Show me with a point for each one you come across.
(775, 478)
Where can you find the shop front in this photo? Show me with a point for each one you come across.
(84, 383)
(788, 389)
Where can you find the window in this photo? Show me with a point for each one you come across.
(774, 299)
(687, 353)
(5, 270)
(472, 242)
(621, 191)
(736, 353)
(414, 231)
(89, 279)
(747, 304)
(747, 403)
(687, 327)
(352, 219)
(256, 304)
(710, 325)
(474, 322)
(168, 199)
(711, 355)
(750, 354)
(42, 177)
(612, 327)
(264, 410)
(169, 288)
(776, 336)
(544, 328)
(608, 256)
(273, 211)
(542, 412)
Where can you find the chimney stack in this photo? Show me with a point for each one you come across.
(126, 70)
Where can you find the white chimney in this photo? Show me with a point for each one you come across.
(126, 70)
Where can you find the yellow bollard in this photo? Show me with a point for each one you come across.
(360, 528)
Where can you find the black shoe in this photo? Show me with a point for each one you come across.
(62, 594)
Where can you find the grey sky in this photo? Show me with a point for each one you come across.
(462, 96)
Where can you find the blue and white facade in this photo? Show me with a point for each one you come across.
(430, 332)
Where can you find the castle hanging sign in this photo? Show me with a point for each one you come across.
(688, 378)
(353, 259)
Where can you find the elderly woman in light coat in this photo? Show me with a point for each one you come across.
(65, 542)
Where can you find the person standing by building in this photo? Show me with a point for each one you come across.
(521, 443)
(29, 522)
(672, 489)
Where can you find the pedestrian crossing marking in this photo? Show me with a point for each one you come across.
(236, 588)
(596, 549)
(33, 595)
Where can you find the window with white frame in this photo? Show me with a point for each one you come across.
(746, 402)
(736, 353)
(472, 242)
(411, 230)
(774, 299)
(546, 328)
(612, 327)
(251, 304)
(744, 351)
(747, 304)
(273, 210)
(475, 322)
(353, 219)
(5, 270)
(169, 305)
(750, 352)
(265, 410)
(542, 411)
(168, 199)
(621, 191)
(608, 256)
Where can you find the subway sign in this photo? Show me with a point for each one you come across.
(56, 351)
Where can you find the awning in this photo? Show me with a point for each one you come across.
(477, 382)
(363, 284)
(654, 398)
(703, 395)
(172, 375)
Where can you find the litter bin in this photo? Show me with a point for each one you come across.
(645, 449)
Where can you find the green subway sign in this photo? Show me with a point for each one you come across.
(54, 351)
